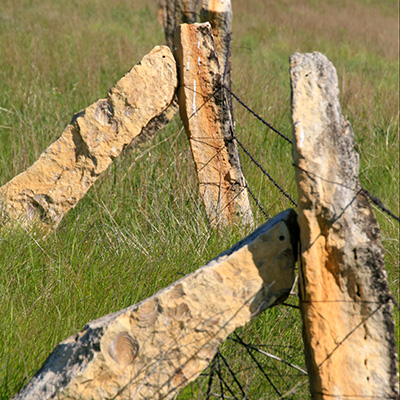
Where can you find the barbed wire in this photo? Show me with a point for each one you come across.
(257, 202)
(376, 200)
(264, 171)
(256, 115)
(219, 360)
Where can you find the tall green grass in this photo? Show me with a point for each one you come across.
(142, 225)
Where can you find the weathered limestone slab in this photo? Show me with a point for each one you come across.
(96, 136)
(219, 14)
(153, 349)
(207, 119)
(175, 12)
(171, 14)
(345, 299)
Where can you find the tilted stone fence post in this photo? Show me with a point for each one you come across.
(153, 349)
(63, 174)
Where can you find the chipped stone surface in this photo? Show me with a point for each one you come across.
(153, 349)
(96, 136)
(345, 299)
(207, 119)
(175, 12)
(219, 14)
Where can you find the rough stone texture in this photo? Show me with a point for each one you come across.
(171, 14)
(175, 12)
(207, 119)
(96, 136)
(157, 123)
(345, 299)
(219, 14)
(153, 349)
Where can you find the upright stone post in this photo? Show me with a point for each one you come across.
(208, 123)
(345, 300)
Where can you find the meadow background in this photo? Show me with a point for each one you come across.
(142, 225)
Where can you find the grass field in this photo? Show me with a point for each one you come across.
(142, 225)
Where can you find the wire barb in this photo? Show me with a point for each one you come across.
(377, 201)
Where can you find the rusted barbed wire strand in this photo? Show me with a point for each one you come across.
(232, 374)
(257, 202)
(377, 201)
(222, 380)
(257, 116)
(250, 346)
(264, 171)
(259, 366)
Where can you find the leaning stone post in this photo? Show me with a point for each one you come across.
(153, 349)
(63, 174)
(207, 119)
(345, 300)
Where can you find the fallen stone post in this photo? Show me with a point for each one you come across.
(208, 124)
(63, 174)
(153, 349)
(345, 300)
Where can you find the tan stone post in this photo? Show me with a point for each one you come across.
(345, 300)
(153, 349)
(171, 13)
(207, 119)
(63, 174)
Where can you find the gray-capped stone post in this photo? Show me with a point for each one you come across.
(345, 300)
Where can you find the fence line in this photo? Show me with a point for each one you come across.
(376, 200)
(219, 361)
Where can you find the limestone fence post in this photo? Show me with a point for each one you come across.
(64, 173)
(171, 14)
(175, 12)
(346, 307)
(153, 349)
(208, 123)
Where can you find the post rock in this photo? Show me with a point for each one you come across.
(63, 174)
(153, 349)
(346, 306)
